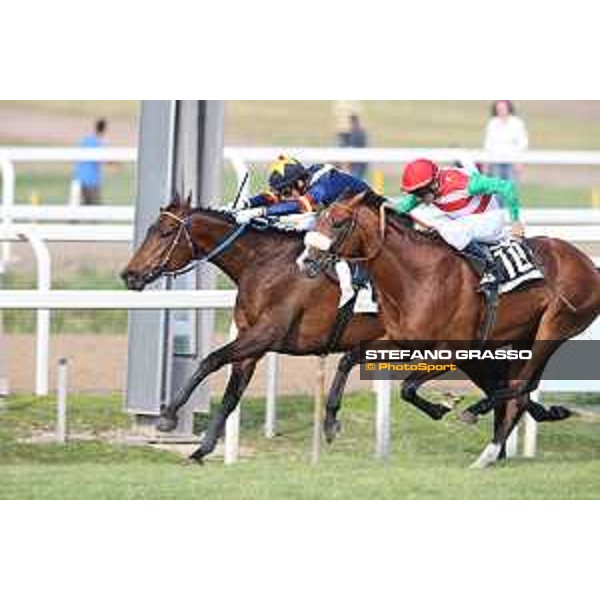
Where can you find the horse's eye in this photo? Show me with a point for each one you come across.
(337, 224)
(166, 233)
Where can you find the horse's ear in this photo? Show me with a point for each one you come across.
(176, 199)
(188, 200)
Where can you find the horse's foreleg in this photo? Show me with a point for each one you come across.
(499, 417)
(252, 343)
(513, 410)
(409, 389)
(331, 425)
(516, 395)
(241, 374)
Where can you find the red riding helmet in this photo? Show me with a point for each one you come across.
(419, 174)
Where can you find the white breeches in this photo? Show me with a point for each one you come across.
(488, 227)
(300, 221)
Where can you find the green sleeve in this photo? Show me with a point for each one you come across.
(405, 204)
(480, 184)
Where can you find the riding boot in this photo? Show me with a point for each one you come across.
(486, 267)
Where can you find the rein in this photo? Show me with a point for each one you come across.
(197, 256)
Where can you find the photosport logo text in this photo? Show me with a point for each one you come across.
(398, 359)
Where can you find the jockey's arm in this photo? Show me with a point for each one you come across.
(268, 206)
(405, 204)
(483, 185)
(280, 209)
(264, 199)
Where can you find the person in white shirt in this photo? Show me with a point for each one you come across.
(505, 133)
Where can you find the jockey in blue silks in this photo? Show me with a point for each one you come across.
(296, 190)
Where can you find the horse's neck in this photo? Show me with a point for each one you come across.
(405, 262)
(210, 230)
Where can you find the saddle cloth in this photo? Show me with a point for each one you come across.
(516, 265)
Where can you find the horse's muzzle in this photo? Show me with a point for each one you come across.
(133, 281)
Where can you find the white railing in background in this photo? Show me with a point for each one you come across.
(114, 300)
(73, 214)
(56, 232)
(241, 158)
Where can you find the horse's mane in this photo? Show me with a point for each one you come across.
(403, 223)
(225, 214)
(215, 211)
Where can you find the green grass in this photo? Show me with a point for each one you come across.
(429, 459)
(51, 183)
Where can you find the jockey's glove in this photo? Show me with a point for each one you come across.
(246, 215)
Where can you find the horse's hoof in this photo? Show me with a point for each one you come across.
(560, 413)
(331, 430)
(488, 457)
(197, 458)
(166, 424)
(440, 412)
(468, 417)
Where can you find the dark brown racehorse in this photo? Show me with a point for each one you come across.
(427, 291)
(278, 309)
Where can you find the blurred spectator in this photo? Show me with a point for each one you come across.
(357, 138)
(505, 133)
(89, 173)
(342, 111)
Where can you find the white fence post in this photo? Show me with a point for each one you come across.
(271, 399)
(231, 451)
(61, 401)
(75, 193)
(383, 391)
(317, 436)
(42, 352)
(512, 443)
(531, 430)
(8, 199)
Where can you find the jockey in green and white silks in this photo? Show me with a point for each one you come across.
(467, 209)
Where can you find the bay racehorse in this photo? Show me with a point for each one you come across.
(427, 291)
(277, 309)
